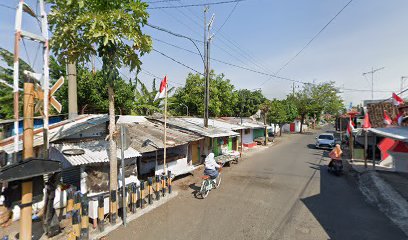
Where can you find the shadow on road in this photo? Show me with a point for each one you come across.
(341, 210)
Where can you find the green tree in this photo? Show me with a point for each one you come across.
(248, 102)
(281, 112)
(317, 99)
(223, 98)
(110, 29)
(144, 99)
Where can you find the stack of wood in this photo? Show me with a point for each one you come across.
(376, 113)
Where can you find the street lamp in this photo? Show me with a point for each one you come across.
(402, 82)
(182, 104)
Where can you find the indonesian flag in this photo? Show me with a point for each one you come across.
(350, 127)
(387, 119)
(366, 123)
(397, 100)
(162, 91)
(399, 118)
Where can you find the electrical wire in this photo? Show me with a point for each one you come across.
(264, 73)
(176, 61)
(310, 41)
(226, 20)
(6, 6)
(197, 5)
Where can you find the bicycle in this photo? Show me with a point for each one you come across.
(208, 184)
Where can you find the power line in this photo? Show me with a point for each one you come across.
(310, 41)
(6, 6)
(174, 60)
(226, 20)
(264, 73)
(197, 5)
(160, 1)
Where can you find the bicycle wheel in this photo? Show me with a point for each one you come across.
(218, 181)
(204, 189)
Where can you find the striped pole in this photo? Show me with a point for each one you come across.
(113, 207)
(157, 187)
(134, 197)
(163, 185)
(70, 202)
(77, 201)
(101, 213)
(150, 189)
(76, 228)
(85, 218)
(142, 187)
(169, 180)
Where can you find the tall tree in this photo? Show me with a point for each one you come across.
(223, 98)
(109, 29)
(281, 112)
(145, 104)
(248, 102)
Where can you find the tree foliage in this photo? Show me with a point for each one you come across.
(223, 98)
(144, 99)
(248, 102)
(6, 74)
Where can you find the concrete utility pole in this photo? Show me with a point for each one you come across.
(72, 90)
(372, 79)
(207, 41)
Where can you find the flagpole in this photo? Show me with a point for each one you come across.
(165, 129)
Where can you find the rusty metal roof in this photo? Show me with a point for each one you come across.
(143, 133)
(196, 125)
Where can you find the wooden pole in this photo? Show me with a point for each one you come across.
(28, 139)
(242, 143)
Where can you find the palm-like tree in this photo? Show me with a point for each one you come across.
(144, 99)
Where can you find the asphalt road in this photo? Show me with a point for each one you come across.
(283, 192)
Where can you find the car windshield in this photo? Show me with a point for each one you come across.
(327, 137)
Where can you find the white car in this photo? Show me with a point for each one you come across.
(325, 140)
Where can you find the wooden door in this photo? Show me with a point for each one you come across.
(195, 153)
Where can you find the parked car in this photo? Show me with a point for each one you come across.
(261, 140)
(325, 140)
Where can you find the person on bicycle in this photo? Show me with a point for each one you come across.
(335, 154)
(211, 166)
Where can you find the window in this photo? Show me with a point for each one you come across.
(247, 131)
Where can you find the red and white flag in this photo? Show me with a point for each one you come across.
(350, 127)
(399, 118)
(366, 123)
(387, 119)
(162, 91)
(397, 100)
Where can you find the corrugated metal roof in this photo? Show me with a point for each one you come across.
(141, 133)
(64, 129)
(397, 133)
(126, 119)
(246, 122)
(95, 152)
(197, 125)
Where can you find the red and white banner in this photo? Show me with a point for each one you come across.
(399, 118)
(162, 90)
(350, 127)
(387, 119)
(397, 100)
(366, 123)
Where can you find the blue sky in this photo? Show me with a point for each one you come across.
(368, 33)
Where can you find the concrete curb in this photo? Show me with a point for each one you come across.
(140, 212)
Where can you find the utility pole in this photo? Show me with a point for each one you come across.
(205, 68)
(293, 88)
(372, 79)
(207, 38)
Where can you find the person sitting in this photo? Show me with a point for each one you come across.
(335, 154)
(211, 166)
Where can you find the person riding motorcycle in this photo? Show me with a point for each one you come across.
(211, 166)
(335, 154)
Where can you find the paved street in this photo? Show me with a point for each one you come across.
(283, 192)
